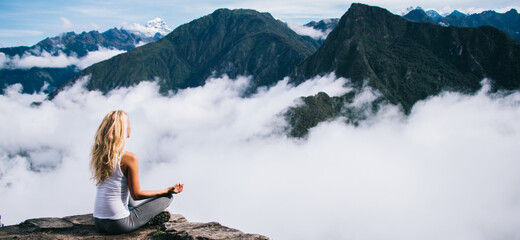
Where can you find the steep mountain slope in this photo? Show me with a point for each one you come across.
(232, 42)
(408, 61)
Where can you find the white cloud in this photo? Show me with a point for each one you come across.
(96, 56)
(66, 24)
(45, 59)
(448, 171)
(136, 27)
(3, 60)
(91, 10)
(308, 31)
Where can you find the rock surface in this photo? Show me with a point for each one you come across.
(82, 227)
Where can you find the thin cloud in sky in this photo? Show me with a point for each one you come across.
(91, 26)
(89, 10)
(19, 33)
(66, 24)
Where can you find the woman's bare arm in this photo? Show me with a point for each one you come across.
(130, 168)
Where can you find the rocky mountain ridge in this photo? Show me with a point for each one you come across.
(82, 227)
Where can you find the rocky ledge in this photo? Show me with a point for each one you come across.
(82, 227)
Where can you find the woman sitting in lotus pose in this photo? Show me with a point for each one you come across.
(116, 173)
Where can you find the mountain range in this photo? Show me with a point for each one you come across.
(71, 45)
(403, 61)
(508, 22)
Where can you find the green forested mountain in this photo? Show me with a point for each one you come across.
(232, 42)
(408, 61)
(34, 79)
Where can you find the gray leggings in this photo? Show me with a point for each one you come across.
(139, 215)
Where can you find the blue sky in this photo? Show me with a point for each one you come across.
(25, 22)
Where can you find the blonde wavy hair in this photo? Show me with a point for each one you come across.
(109, 144)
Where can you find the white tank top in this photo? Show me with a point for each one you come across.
(112, 196)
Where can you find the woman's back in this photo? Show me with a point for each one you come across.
(112, 196)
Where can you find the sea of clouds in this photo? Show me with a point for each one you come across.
(45, 59)
(449, 170)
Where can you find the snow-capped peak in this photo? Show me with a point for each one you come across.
(159, 26)
(152, 27)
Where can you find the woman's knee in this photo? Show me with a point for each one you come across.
(167, 199)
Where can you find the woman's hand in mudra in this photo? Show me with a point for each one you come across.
(177, 188)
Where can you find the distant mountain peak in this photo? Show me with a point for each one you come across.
(457, 13)
(159, 26)
(317, 29)
(419, 15)
(151, 29)
(409, 9)
(433, 14)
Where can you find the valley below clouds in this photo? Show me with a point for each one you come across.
(449, 170)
